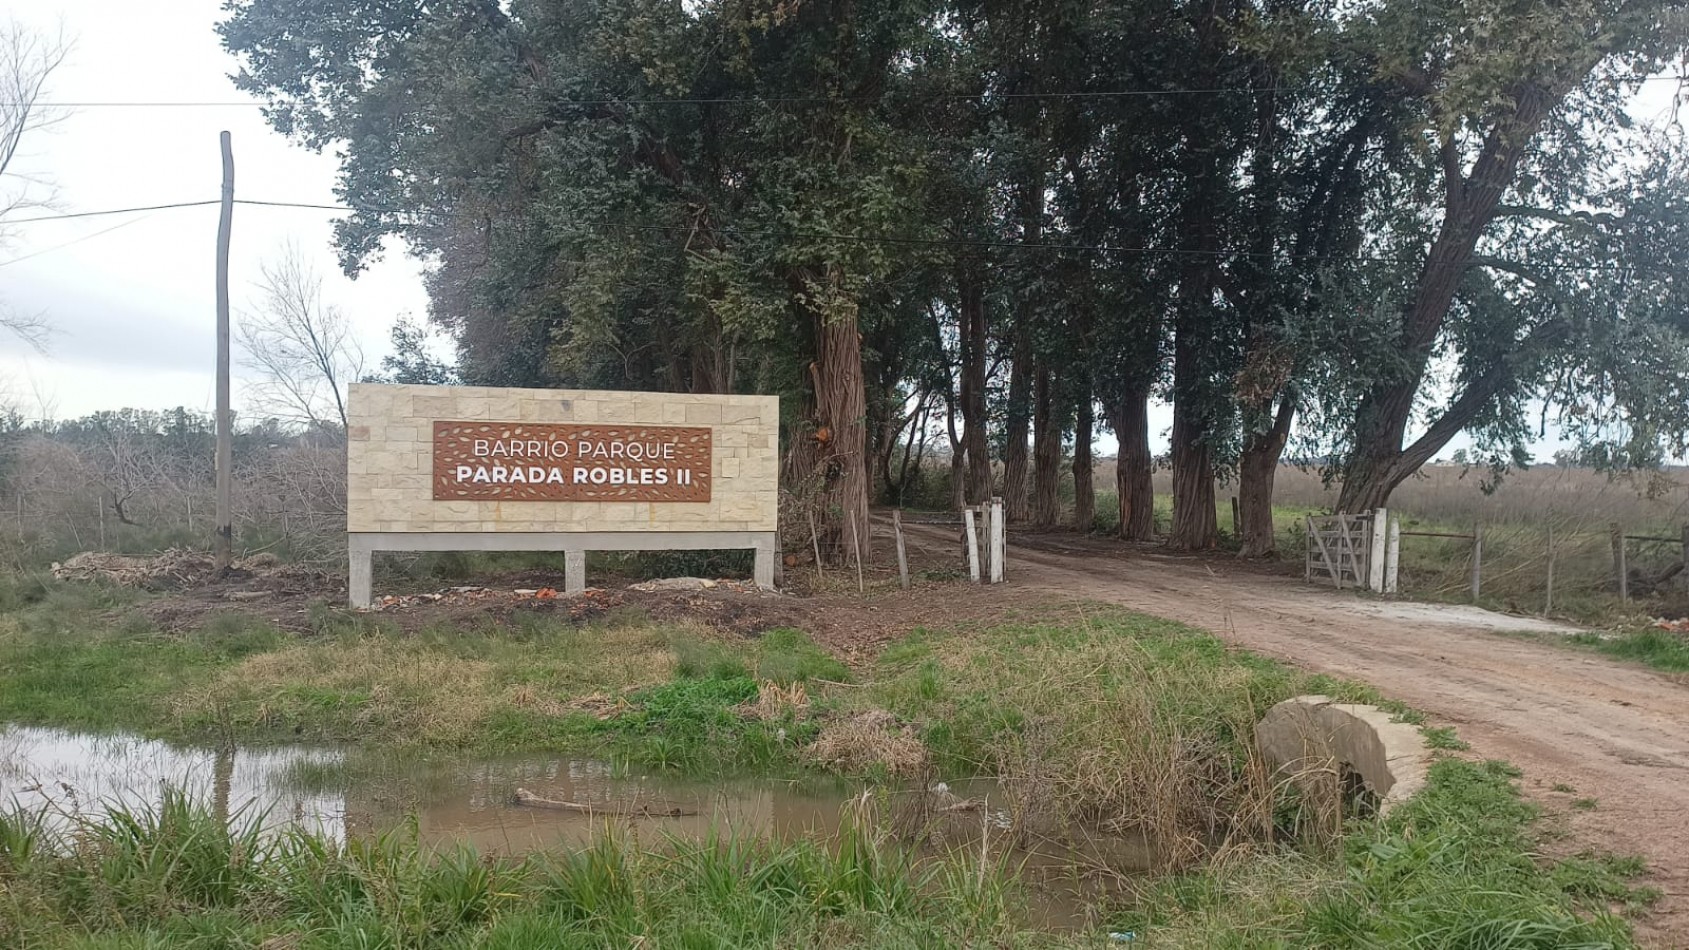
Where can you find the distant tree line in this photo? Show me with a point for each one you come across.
(137, 481)
(1009, 225)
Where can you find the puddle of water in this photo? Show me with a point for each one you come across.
(475, 802)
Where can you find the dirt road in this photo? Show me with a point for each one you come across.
(1613, 732)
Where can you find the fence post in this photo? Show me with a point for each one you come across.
(1548, 597)
(1619, 563)
(1684, 573)
(998, 540)
(973, 544)
(1477, 561)
(902, 555)
(1393, 556)
(1308, 551)
(1378, 544)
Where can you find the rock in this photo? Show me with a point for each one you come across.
(1308, 737)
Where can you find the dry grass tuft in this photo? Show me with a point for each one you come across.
(870, 739)
(776, 702)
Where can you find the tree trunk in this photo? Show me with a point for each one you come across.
(840, 424)
(1029, 206)
(1046, 451)
(971, 327)
(1257, 469)
(958, 476)
(1016, 503)
(1195, 524)
(1084, 486)
(1133, 468)
(1195, 527)
(1379, 462)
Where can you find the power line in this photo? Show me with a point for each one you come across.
(96, 214)
(882, 239)
(85, 237)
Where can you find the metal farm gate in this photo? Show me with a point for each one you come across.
(1341, 551)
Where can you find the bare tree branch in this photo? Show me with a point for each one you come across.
(27, 61)
(302, 349)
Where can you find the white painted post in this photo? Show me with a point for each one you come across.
(1378, 540)
(1393, 557)
(902, 552)
(997, 541)
(973, 544)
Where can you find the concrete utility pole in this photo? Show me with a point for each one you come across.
(225, 422)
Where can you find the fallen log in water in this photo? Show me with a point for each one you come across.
(525, 797)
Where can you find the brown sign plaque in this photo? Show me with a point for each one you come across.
(525, 461)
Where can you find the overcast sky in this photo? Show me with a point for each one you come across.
(131, 297)
(134, 308)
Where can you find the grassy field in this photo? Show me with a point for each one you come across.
(1087, 717)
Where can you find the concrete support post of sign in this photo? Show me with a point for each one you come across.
(359, 582)
(767, 547)
(1378, 541)
(574, 572)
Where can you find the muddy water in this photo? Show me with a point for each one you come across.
(340, 794)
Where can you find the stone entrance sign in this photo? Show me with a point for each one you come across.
(461, 468)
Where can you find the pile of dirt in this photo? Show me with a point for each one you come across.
(182, 569)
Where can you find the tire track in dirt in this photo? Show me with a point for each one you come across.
(1614, 732)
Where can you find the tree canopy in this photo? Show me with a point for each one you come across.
(1364, 227)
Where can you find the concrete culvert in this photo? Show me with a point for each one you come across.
(1313, 739)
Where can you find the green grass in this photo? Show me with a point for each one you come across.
(1660, 649)
(1443, 737)
(1453, 867)
(1088, 716)
(84, 657)
(177, 877)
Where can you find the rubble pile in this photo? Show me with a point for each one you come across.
(180, 569)
(590, 603)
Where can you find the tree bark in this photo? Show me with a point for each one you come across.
(1016, 503)
(1029, 206)
(1134, 466)
(1046, 450)
(958, 473)
(972, 333)
(1084, 486)
(1195, 524)
(840, 424)
(1257, 470)
(1195, 527)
